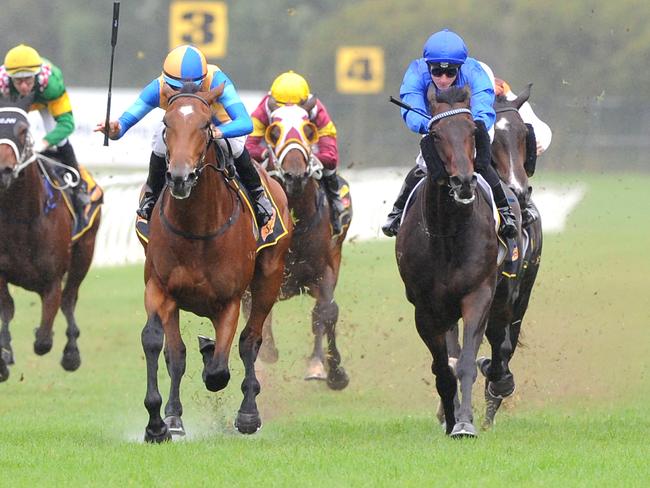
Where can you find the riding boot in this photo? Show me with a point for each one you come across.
(508, 226)
(331, 184)
(80, 197)
(251, 180)
(155, 185)
(529, 214)
(391, 227)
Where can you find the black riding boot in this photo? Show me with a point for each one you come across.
(508, 226)
(391, 227)
(251, 180)
(80, 197)
(331, 185)
(155, 184)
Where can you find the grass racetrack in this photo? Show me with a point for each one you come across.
(578, 417)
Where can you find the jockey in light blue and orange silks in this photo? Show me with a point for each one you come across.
(290, 88)
(187, 65)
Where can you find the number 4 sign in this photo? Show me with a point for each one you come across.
(360, 69)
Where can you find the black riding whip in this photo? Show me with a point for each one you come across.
(406, 106)
(116, 20)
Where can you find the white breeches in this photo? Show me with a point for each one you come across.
(159, 147)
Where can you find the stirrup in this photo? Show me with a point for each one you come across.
(508, 227)
(146, 207)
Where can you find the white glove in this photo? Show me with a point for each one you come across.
(41, 146)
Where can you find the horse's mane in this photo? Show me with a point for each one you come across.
(455, 94)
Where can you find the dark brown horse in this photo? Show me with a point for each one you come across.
(513, 292)
(314, 257)
(201, 257)
(36, 248)
(447, 253)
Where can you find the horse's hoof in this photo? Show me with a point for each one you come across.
(248, 423)
(157, 437)
(337, 379)
(502, 388)
(492, 405)
(463, 430)
(175, 425)
(483, 364)
(216, 381)
(7, 356)
(268, 354)
(315, 370)
(4, 371)
(42, 346)
(71, 361)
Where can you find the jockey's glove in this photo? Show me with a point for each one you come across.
(41, 146)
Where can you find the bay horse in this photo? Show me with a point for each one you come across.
(314, 258)
(446, 252)
(201, 257)
(509, 156)
(36, 249)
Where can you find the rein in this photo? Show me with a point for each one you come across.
(197, 237)
(506, 109)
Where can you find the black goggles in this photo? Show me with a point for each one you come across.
(437, 71)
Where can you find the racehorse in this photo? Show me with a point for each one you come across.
(509, 155)
(314, 257)
(446, 252)
(36, 249)
(201, 257)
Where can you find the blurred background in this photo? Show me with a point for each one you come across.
(587, 60)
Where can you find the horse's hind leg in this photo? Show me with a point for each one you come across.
(51, 299)
(82, 254)
(7, 310)
(175, 353)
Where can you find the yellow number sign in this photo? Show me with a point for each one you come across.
(204, 24)
(360, 69)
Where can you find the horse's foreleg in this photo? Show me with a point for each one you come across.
(445, 379)
(175, 353)
(216, 374)
(7, 309)
(159, 308)
(474, 308)
(265, 287)
(50, 300)
(268, 352)
(82, 254)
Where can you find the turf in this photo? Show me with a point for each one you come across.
(578, 417)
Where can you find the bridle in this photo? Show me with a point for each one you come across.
(25, 155)
(210, 140)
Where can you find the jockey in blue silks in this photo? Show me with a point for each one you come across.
(445, 63)
(230, 120)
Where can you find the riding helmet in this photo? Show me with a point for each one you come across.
(445, 47)
(22, 61)
(290, 88)
(185, 64)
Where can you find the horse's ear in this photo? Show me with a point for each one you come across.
(431, 97)
(272, 104)
(20, 132)
(166, 93)
(215, 93)
(309, 104)
(522, 97)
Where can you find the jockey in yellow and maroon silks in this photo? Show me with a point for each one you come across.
(187, 65)
(292, 89)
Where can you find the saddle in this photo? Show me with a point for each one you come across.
(54, 178)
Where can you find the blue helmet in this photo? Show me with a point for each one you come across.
(184, 64)
(445, 47)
